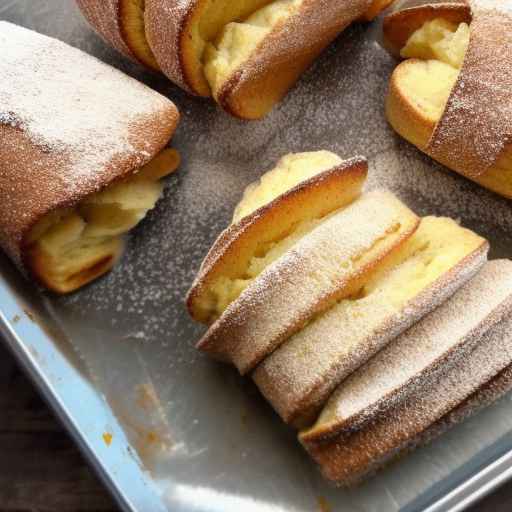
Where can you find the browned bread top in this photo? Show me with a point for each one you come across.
(310, 199)
(476, 126)
(350, 455)
(70, 125)
(105, 17)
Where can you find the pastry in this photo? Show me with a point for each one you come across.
(293, 197)
(247, 55)
(423, 381)
(121, 24)
(294, 278)
(299, 376)
(80, 163)
(452, 96)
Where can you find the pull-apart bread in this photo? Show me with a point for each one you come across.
(349, 312)
(298, 377)
(427, 379)
(81, 159)
(323, 249)
(452, 95)
(245, 54)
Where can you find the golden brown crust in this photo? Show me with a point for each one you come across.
(474, 135)
(295, 288)
(38, 175)
(476, 126)
(303, 408)
(235, 246)
(443, 397)
(165, 24)
(106, 17)
(277, 63)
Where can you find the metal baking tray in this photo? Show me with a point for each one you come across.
(168, 429)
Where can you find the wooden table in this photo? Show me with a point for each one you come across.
(42, 471)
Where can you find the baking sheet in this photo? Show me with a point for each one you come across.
(168, 428)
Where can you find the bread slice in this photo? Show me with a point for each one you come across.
(469, 337)
(246, 54)
(434, 40)
(71, 247)
(253, 63)
(65, 139)
(332, 262)
(284, 205)
(121, 23)
(298, 377)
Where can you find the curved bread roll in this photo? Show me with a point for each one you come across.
(452, 97)
(70, 158)
(298, 378)
(331, 262)
(473, 330)
(121, 24)
(246, 54)
(287, 202)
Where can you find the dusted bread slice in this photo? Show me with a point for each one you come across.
(434, 40)
(298, 377)
(247, 54)
(332, 262)
(179, 31)
(469, 336)
(71, 247)
(70, 150)
(274, 214)
(253, 63)
(121, 23)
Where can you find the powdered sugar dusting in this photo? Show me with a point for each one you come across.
(476, 126)
(350, 457)
(299, 377)
(70, 103)
(318, 268)
(434, 344)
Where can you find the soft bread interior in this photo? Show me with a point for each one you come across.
(203, 25)
(134, 32)
(70, 247)
(288, 218)
(421, 85)
(434, 249)
(291, 170)
(238, 40)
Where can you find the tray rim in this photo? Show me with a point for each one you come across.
(142, 491)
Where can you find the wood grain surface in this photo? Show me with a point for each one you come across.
(42, 471)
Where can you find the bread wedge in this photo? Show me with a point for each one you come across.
(298, 378)
(245, 54)
(457, 351)
(121, 24)
(252, 64)
(333, 261)
(274, 213)
(80, 164)
(448, 98)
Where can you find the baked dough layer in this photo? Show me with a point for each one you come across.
(71, 247)
(333, 261)
(421, 86)
(274, 214)
(298, 378)
(481, 351)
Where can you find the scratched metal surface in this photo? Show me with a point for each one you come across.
(167, 428)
